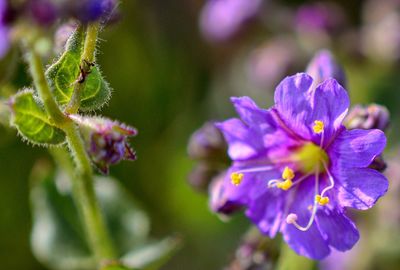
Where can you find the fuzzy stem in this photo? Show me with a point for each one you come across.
(84, 194)
(43, 89)
(85, 197)
(87, 58)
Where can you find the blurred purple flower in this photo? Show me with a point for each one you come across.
(323, 66)
(92, 10)
(4, 41)
(296, 162)
(62, 34)
(44, 12)
(268, 64)
(106, 140)
(319, 17)
(220, 19)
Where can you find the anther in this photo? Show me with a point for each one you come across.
(318, 126)
(285, 185)
(236, 178)
(291, 218)
(288, 174)
(322, 200)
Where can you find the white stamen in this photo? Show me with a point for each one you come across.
(293, 221)
(330, 179)
(322, 140)
(256, 169)
(274, 182)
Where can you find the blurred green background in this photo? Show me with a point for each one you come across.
(167, 81)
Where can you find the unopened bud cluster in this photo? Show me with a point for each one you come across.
(369, 117)
(106, 140)
(207, 146)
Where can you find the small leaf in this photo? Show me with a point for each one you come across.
(32, 121)
(63, 75)
(152, 255)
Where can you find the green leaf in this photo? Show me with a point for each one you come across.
(152, 255)
(63, 75)
(58, 239)
(32, 121)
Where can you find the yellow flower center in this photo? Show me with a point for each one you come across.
(309, 157)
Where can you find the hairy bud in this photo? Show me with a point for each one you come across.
(106, 140)
(207, 143)
(367, 117)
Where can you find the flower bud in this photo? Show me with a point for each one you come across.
(323, 66)
(106, 140)
(201, 176)
(207, 143)
(368, 117)
(255, 251)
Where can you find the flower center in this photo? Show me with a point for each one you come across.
(309, 157)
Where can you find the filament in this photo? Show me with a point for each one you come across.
(291, 218)
(256, 169)
(332, 182)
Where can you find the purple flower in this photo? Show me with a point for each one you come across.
(44, 12)
(220, 19)
(319, 17)
(106, 140)
(296, 168)
(92, 10)
(323, 66)
(4, 41)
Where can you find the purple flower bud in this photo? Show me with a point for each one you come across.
(220, 19)
(207, 143)
(323, 66)
(368, 117)
(106, 140)
(44, 12)
(201, 176)
(255, 252)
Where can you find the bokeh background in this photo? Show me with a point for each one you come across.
(170, 73)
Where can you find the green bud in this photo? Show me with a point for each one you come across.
(66, 73)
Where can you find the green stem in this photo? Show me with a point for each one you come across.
(87, 58)
(43, 89)
(90, 42)
(84, 194)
